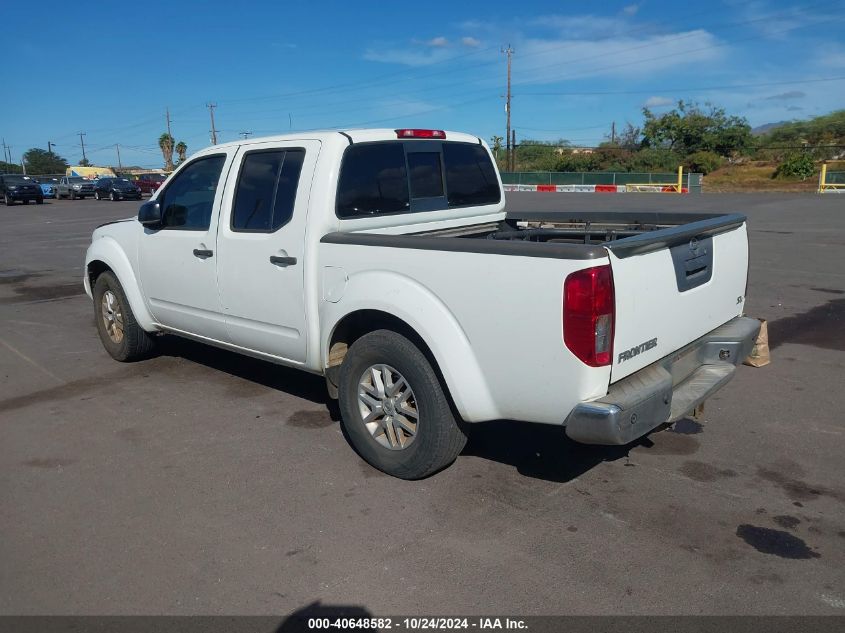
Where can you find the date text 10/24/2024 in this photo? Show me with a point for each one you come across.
(417, 623)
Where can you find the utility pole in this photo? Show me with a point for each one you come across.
(50, 147)
(245, 135)
(82, 142)
(167, 111)
(211, 107)
(513, 151)
(119, 164)
(613, 132)
(5, 154)
(509, 52)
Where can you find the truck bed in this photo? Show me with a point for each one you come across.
(562, 234)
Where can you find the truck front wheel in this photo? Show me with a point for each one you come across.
(394, 409)
(120, 333)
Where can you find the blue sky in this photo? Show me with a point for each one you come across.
(111, 70)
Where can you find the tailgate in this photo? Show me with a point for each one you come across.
(673, 286)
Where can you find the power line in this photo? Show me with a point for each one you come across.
(697, 89)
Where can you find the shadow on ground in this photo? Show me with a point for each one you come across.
(535, 450)
(540, 451)
(292, 381)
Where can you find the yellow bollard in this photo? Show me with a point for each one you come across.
(823, 178)
(680, 178)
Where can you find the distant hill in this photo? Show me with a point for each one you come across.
(767, 127)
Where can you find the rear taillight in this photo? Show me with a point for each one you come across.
(588, 313)
(409, 133)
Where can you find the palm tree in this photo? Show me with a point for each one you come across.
(165, 142)
(181, 150)
(497, 145)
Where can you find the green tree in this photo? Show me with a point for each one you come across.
(9, 168)
(496, 141)
(690, 128)
(799, 166)
(39, 161)
(165, 142)
(85, 162)
(181, 151)
(703, 162)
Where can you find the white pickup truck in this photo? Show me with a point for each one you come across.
(384, 260)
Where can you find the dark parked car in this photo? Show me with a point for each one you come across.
(14, 187)
(149, 183)
(116, 189)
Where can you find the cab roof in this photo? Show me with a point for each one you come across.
(357, 136)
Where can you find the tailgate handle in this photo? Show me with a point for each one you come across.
(695, 266)
(693, 262)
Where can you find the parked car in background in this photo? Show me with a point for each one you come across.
(116, 189)
(14, 187)
(74, 187)
(149, 183)
(48, 188)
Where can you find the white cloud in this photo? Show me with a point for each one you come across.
(408, 57)
(549, 61)
(470, 42)
(631, 9)
(438, 42)
(657, 102)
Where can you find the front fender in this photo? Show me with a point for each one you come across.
(431, 319)
(108, 251)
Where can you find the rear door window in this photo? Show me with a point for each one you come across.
(266, 191)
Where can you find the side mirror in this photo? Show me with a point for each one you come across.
(150, 213)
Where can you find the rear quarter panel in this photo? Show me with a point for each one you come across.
(493, 323)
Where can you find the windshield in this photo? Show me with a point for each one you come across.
(76, 179)
(122, 181)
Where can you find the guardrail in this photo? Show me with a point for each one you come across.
(831, 181)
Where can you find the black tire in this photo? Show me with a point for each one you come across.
(438, 439)
(96, 195)
(112, 197)
(72, 195)
(25, 201)
(9, 202)
(39, 201)
(135, 343)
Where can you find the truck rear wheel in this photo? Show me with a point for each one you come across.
(119, 332)
(393, 408)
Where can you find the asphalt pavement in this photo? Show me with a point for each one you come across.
(204, 482)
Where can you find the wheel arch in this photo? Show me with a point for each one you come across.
(105, 255)
(449, 354)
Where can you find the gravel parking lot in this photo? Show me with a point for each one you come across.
(204, 482)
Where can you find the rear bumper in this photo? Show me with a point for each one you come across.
(666, 390)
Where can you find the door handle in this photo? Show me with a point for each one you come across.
(282, 261)
(201, 252)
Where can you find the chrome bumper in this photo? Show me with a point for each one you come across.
(664, 391)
